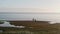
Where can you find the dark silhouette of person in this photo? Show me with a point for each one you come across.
(34, 20)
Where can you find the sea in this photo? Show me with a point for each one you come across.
(9, 15)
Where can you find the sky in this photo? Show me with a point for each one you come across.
(39, 5)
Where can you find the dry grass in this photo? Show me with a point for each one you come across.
(36, 28)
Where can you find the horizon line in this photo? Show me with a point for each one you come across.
(27, 13)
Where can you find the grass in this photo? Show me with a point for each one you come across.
(46, 29)
(35, 29)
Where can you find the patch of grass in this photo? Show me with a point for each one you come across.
(47, 29)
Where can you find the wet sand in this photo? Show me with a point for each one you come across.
(33, 23)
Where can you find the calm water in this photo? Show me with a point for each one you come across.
(30, 16)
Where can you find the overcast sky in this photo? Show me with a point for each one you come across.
(37, 4)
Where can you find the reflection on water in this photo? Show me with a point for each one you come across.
(7, 24)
